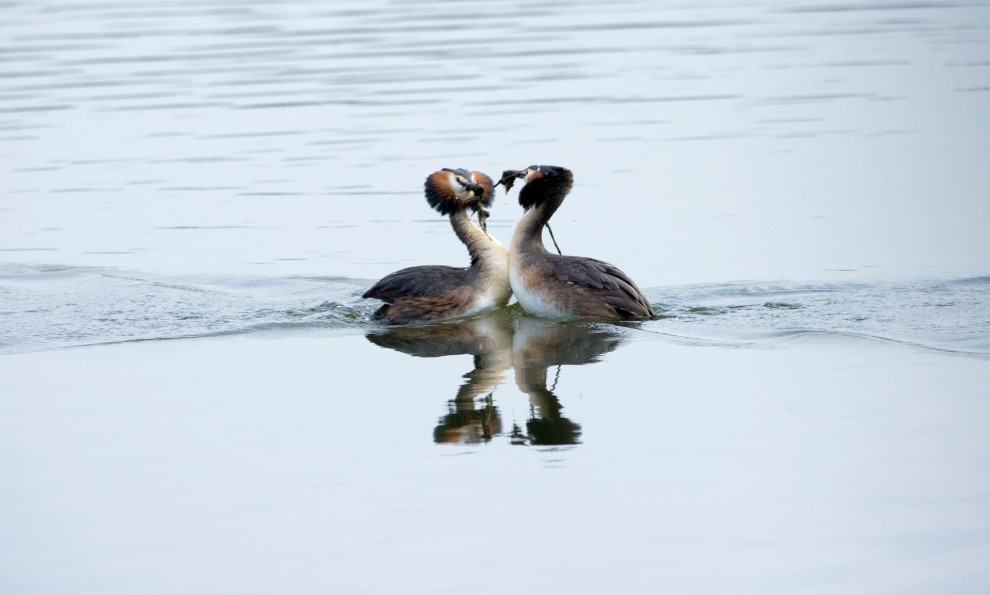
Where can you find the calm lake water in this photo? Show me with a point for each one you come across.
(801, 190)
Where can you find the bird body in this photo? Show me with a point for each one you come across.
(563, 287)
(434, 293)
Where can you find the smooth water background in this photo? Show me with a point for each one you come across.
(800, 188)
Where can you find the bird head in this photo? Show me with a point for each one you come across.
(543, 183)
(452, 190)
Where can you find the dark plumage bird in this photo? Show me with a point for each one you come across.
(554, 286)
(433, 293)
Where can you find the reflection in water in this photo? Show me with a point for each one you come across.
(539, 344)
(489, 340)
(498, 343)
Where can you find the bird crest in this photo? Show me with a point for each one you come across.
(543, 183)
(451, 190)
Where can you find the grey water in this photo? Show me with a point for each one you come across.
(195, 398)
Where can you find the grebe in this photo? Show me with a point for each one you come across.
(433, 293)
(562, 287)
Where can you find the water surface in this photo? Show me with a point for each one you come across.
(710, 143)
(194, 398)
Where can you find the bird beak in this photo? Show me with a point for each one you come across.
(509, 178)
(477, 189)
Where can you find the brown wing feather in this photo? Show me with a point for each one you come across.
(420, 294)
(419, 281)
(424, 308)
(620, 292)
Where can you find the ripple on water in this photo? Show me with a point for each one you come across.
(941, 315)
(52, 307)
(56, 307)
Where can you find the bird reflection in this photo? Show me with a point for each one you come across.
(489, 340)
(500, 342)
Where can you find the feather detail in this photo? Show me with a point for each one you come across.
(488, 197)
(546, 184)
(440, 194)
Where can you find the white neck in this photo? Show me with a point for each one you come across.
(528, 236)
(484, 249)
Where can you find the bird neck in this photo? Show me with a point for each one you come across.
(528, 236)
(483, 248)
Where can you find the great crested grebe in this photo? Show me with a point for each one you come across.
(554, 286)
(432, 293)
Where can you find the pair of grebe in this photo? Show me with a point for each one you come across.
(545, 284)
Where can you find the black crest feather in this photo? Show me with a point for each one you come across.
(551, 183)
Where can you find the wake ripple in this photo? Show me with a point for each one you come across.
(947, 315)
(53, 307)
(58, 307)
